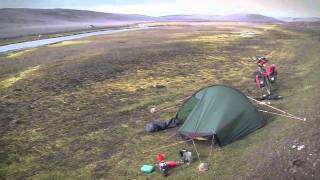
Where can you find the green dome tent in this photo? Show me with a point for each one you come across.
(220, 111)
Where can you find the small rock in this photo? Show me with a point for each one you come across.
(203, 167)
(124, 126)
(17, 89)
(300, 147)
(153, 110)
(297, 162)
(32, 106)
(294, 146)
(292, 170)
(158, 86)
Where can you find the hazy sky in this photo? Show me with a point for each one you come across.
(293, 8)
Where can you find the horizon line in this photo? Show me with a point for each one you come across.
(167, 14)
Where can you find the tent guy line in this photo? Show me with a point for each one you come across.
(277, 109)
(291, 117)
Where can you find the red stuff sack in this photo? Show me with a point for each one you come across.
(171, 163)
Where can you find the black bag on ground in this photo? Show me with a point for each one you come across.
(158, 125)
(171, 123)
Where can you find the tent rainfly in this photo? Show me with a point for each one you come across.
(218, 111)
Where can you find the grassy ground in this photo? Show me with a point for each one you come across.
(77, 110)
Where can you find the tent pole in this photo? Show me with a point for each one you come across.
(211, 148)
(194, 145)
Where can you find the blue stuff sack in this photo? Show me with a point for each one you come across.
(147, 168)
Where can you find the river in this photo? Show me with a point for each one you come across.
(36, 43)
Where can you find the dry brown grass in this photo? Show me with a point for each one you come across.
(83, 114)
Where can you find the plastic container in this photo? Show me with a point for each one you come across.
(147, 168)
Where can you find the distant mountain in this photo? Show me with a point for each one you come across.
(305, 19)
(250, 18)
(21, 22)
(34, 17)
(16, 22)
(232, 17)
(62, 16)
(189, 17)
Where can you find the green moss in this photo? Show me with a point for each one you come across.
(20, 53)
(7, 82)
(68, 43)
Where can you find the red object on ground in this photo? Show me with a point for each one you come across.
(171, 163)
(160, 157)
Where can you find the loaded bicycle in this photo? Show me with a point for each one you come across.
(265, 75)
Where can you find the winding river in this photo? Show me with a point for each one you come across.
(36, 43)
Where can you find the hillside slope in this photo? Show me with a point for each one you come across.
(61, 16)
(21, 22)
(232, 17)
